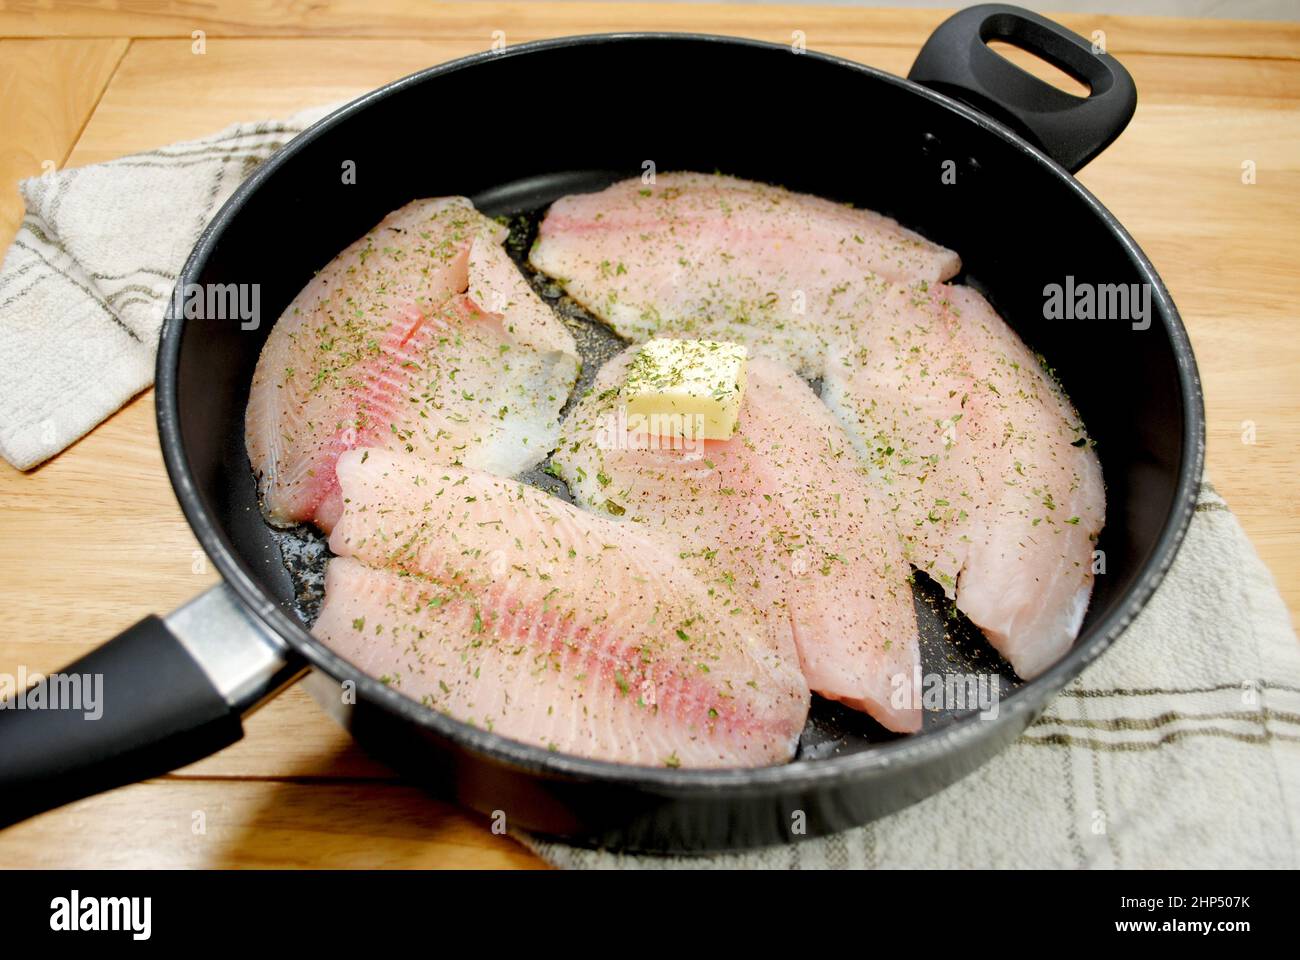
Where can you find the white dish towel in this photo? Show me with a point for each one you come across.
(1180, 747)
(86, 281)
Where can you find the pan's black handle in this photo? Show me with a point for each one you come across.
(157, 696)
(957, 61)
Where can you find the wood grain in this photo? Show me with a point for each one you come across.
(531, 20)
(164, 92)
(48, 89)
(251, 823)
(93, 540)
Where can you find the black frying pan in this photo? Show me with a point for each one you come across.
(514, 130)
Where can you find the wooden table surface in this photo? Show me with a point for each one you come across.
(93, 540)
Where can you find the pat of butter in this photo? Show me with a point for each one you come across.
(687, 388)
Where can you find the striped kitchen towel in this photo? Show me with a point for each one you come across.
(1178, 748)
(86, 281)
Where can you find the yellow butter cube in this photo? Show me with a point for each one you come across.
(686, 388)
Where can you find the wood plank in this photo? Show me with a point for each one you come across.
(153, 825)
(297, 791)
(94, 539)
(163, 92)
(48, 89)
(527, 21)
(1225, 250)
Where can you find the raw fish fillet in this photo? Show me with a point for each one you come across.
(992, 478)
(780, 517)
(421, 336)
(718, 258)
(504, 607)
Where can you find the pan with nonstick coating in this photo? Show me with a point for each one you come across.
(972, 152)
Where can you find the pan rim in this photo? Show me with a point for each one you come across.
(905, 752)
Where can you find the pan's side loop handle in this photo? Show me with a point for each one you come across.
(157, 696)
(957, 61)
